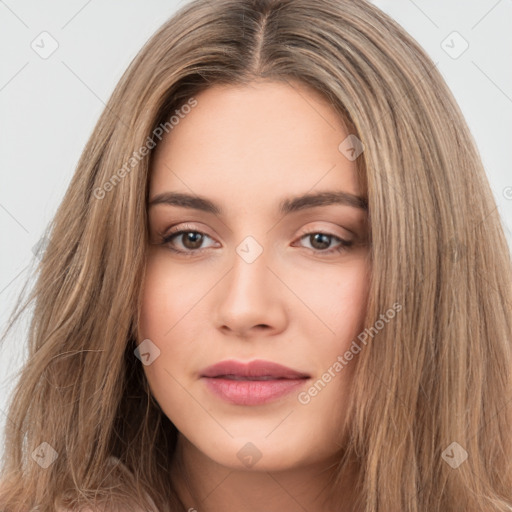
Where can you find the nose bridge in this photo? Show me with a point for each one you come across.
(249, 272)
(247, 298)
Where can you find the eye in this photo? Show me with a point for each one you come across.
(189, 240)
(320, 241)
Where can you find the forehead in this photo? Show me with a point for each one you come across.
(254, 142)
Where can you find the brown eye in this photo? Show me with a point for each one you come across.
(191, 239)
(186, 241)
(321, 242)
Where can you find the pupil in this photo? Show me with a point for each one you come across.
(317, 238)
(193, 240)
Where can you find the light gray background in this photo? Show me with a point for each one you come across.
(49, 106)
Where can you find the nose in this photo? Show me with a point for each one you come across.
(250, 300)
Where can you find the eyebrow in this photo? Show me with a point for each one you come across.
(286, 206)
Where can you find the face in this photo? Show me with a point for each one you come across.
(252, 273)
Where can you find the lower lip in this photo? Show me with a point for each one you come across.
(252, 392)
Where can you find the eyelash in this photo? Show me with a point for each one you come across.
(343, 246)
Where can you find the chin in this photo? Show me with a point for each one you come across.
(259, 454)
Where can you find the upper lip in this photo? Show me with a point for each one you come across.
(257, 368)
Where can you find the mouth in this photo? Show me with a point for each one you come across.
(254, 383)
(239, 377)
(253, 370)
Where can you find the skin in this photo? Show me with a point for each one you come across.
(246, 148)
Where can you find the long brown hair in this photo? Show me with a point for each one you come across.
(437, 380)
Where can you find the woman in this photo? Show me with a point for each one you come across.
(334, 330)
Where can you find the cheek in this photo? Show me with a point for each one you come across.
(341, 305)
(351, 292)
(167, 297)
(169, 294)
(338, 296)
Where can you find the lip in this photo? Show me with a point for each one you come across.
(256, 368)
(240, 383)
